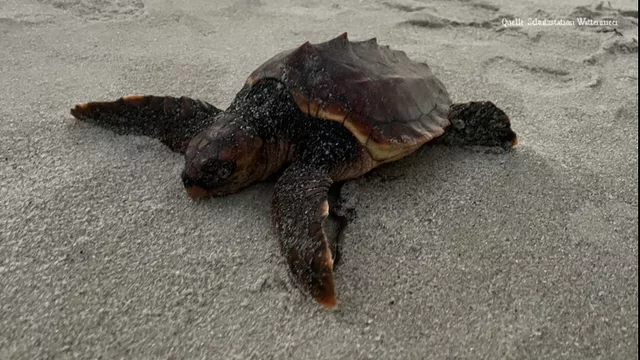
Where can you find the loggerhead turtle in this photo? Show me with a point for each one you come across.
(325, 113)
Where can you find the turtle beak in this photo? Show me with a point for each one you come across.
(192, 188)
(196, 192)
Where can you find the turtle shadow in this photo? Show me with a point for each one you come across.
(421, 222)
(445, 206)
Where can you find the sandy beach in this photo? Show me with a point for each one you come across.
(455, 253)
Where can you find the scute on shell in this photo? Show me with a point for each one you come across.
(390, 103)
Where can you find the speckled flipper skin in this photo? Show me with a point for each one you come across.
(479, 123)
(301, 204)
(174, 121)
(299, 209)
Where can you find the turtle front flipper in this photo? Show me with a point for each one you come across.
(478, 123)
(300, 206)
(174, 121)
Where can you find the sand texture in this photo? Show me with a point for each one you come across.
(455, 253)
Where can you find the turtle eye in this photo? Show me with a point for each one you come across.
(215, 171)
(225, 171)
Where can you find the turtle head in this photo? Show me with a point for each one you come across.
(222, 159)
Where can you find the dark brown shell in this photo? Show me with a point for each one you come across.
(390, 103)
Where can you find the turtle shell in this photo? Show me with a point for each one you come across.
(390, 103)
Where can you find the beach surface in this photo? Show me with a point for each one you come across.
(455, 252)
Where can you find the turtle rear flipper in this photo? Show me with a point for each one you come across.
(478, 123)
(174, 121)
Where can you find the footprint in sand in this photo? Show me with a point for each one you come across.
(604, 18)
(617, 44)
(403, 7)
(100, 10)
(565, 77)
(444, 14)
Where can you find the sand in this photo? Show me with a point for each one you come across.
(455, 253)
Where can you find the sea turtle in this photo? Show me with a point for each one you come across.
(317, 115)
